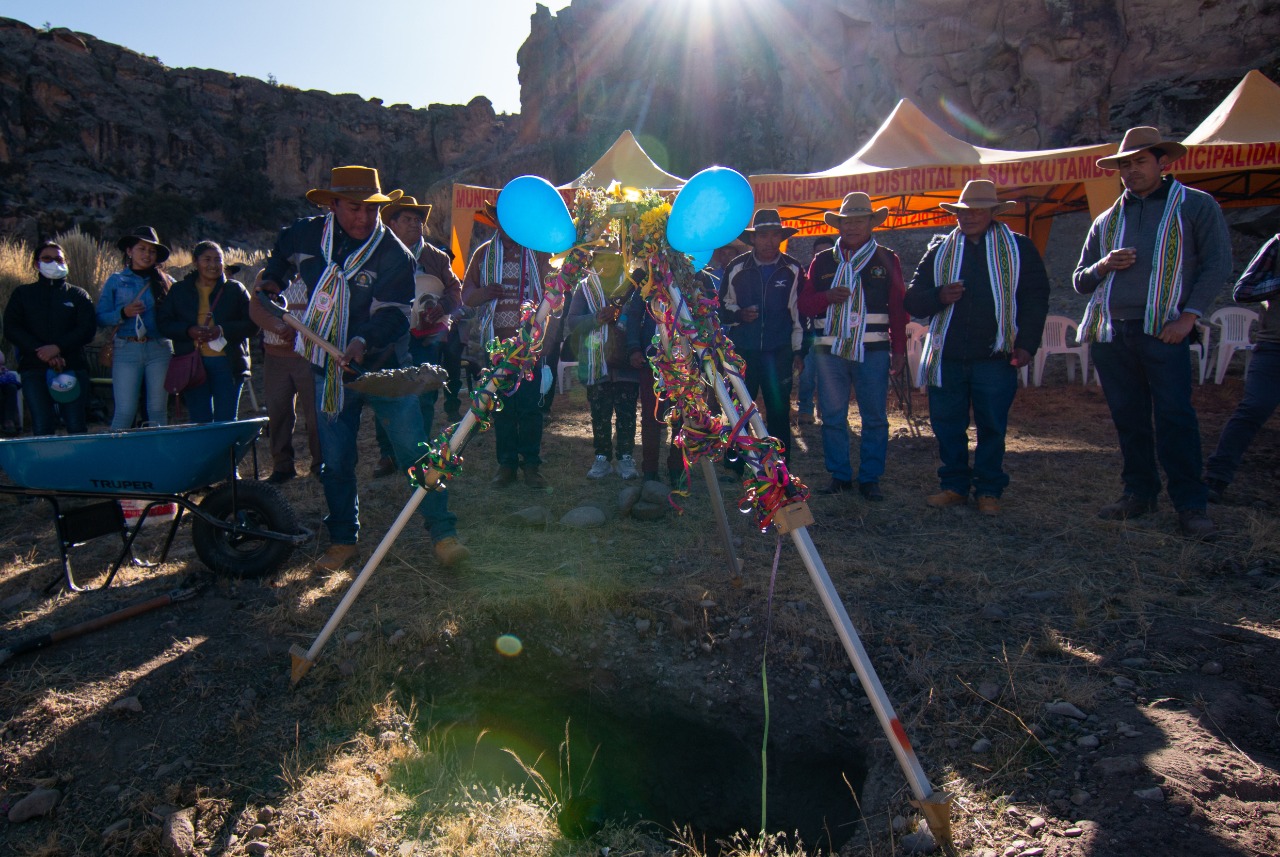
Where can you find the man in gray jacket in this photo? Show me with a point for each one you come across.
(1153, 264)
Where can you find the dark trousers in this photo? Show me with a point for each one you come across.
(35, 390)
(613, 402)
(451, 360)
(289, 385)
(1261, 397)
(517, 428)
(652, 428)
(1148, 388)
(768, 373)
(985, 387)
(217, 400)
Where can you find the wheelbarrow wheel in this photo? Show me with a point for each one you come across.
(238, 552)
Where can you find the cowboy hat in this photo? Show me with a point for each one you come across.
(356, 184)
(147, 235)
(1140, 138)
(405, 203)
(978, 193)
(856, 204)
(487, 214)
(768, 218)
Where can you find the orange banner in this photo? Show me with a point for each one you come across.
(1224, 158)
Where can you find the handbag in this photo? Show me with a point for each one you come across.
(107, 352)
(186, 371)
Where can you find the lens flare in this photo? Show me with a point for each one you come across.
(509, 645)
(966, 121)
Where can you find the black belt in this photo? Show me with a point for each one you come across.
(134, 338)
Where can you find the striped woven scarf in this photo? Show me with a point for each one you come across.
(594, 342)
(1004, 265)
(327, 312)
(1164, 289)
(491, 268)
(847, 321)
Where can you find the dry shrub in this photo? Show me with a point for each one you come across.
(90, 261)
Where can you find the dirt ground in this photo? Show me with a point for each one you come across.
(1165, 650)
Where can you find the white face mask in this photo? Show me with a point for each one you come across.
(53, 270)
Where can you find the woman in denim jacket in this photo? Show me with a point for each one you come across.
(128, 302)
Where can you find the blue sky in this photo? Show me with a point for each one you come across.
(418, 52)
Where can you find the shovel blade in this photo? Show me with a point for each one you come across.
(410, 381)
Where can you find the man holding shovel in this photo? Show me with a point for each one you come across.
(361, 289)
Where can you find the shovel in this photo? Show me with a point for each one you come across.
(388, 383)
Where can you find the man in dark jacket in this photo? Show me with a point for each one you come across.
(854, 293)
(50, 322)
(987, 293)
(1152, 264)
(758, 296)
(360, 280)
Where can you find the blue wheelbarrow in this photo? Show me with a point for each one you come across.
(239, 528)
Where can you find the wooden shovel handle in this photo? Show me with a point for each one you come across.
(329, 348)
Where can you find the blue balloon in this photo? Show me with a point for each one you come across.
(710, 211)
(532, 213)
(700, 259)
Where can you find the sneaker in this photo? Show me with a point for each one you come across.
(988, 505)
(336, 557)
(945, 498)
(1128, 506)
(1216, 488)
(871, 491)
(279, 476)
(627, 467)
(836, 486)
(600, 469)
(1196, 524)
(534, 479)
(504, 476)
(804, 419)
(450, 552)
(385, 467)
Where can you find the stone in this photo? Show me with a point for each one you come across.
(179, 836)
(1088, 742)
(982, 745)
(655, 492)
(1064, 709)
(129, 703)
(646, 511)
(35, 805)
(1115, 766)
(1155, 793)
(15, 599)
(1072, 832)
(266, 814)
(989, 690)
(642, 626)
(353, 637)
(397, 636)
(994, 612)
(175, 767)
(1211, 668)
(584, 518)
(1124, 683)
(920, 842)
(116, 828)
(1134, 663)
(627, 498)
(1036, 823)
(531, 516)
(1034, 851)
(1080, 797)
(347, 668)
(257, 848)
(257, 831)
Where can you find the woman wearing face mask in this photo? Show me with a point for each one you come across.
(128, 302)
(51, 321)
(205, 310)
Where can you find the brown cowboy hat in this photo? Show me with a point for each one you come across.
(768, 219)
(856, 204)
(978, 193)
(357, 184)
(405, 203)
(1141, 138)
(147, 235)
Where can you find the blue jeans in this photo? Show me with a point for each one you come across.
(403, 421)
(517, 428)
(837, 377)
(1261, 397)
(808, 384)
(986, 387)
(427, 350)
(133, 362)
(35, 390)
(218, 398)
(1144, 378)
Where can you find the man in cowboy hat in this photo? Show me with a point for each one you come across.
(361, 289)
(1152, 264)
(500, 277)
(854, 293)
(986, 291)
(758, 299)
(438, 293)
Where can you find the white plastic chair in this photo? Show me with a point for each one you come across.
(1059, 338)
(1201, 350)
(566, 374)
(915, 348)
(1234, 325)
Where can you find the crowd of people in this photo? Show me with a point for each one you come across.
(362, 277)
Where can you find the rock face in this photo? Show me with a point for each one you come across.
(798, 85)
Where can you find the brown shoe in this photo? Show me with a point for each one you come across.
(504, 476)
(1128, 506)
(533, 478)
(1196, 524)
(336, 557)
(945, 498)
(989, 505)
(451, 552)
(385, 467)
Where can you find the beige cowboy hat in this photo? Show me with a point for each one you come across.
(978, 193)
(1141, 138)
(145, 235)
(357, 184)
(856, 204)
(405, 203)
(768, 219)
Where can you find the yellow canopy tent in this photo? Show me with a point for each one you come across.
(1235, 153)
(911, 164)
(625, 162)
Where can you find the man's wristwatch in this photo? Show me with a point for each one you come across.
(359, 339)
